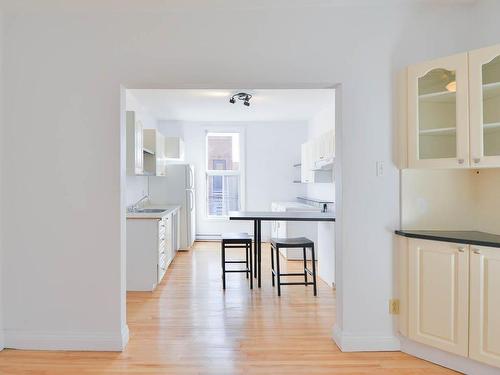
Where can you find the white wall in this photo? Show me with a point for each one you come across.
(271, 149)
(1, 179)
(64, 64)
(137, 186)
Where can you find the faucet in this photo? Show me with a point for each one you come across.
(135, 206)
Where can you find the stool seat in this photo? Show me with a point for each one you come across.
(292, 242)
(236, 237)
(237, 241)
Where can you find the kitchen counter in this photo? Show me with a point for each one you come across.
(463, 237)
(153, 215)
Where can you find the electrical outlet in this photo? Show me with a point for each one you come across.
(394, 306)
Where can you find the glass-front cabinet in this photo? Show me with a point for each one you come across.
(438, 118)
(484, 81)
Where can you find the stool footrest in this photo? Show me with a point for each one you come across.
(236, 271)
(235, 261)
(297, 283)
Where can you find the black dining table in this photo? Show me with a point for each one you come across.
(259, 216)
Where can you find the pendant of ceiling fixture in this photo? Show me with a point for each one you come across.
(241, 96)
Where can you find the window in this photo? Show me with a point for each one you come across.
(224, 178)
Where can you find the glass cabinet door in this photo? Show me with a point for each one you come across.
(484, 75)
(438, 113)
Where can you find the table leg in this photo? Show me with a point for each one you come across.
(259, 247)
(255, 248)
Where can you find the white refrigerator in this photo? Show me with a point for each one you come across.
(177, 187)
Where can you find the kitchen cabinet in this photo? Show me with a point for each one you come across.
(438, 119)
(174, 148)
(154, 152)
(317, 150)
(438, 294)
(453, 111)
(484, 86)
(449, 297)
(151, 246)
(134, 135)
(485, 305)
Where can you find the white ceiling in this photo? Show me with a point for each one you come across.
(213, 105)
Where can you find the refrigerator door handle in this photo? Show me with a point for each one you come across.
(191, 199)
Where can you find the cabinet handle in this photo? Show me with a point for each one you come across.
(461, 249)
(477, 160)
(475, 251)
(461, 161)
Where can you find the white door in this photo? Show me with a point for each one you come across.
(438, 113)
(438, 294)
(484, 86)
(485, 305)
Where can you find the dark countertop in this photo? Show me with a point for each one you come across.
(281, 216)
(463, 237)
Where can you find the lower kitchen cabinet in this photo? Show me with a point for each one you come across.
(450, 295)
(151, 247)
(439, 295)
(484, 345)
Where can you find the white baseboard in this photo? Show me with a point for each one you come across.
(72, 341)
(365, 343)
(445, 359)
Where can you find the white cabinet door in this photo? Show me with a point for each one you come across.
(438, 295)
(438, 113)
(484, 86)
(134, 140)
(160, 155)
(485, 305)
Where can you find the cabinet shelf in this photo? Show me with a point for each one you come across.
(438, 131)
(438, 97)
(491, 90)
(147, 151)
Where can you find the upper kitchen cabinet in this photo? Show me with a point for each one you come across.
(438, 119)
(134, 135)
(174, 148)
(484, 86)
(317, 159)
(154, 152)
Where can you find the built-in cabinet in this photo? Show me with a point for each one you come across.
(148, 151)
(134, 135)
(174, 148)
(454, 111)
(154, 155)
(450, 296)
(317, 159)
(151, 246)
(484, 345)
(438, 294)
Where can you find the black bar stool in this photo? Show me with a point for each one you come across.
(237, 241)
(300, 242)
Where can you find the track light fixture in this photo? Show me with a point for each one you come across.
(241, 96)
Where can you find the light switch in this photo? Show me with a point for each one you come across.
(380, 168)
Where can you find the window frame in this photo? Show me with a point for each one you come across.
(213, 172)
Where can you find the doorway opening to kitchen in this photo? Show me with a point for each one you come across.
(193, 157)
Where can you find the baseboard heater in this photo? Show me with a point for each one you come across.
(208, 237)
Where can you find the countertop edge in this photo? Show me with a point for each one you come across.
(446, 239)
(153, 216)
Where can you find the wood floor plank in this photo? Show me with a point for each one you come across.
(189, 325)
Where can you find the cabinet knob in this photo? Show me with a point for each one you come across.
(476, 251)
(477, 160)
(461, 161)
(461, 249)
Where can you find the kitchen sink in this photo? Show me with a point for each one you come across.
(150, 210)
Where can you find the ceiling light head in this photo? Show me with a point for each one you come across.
(243, 96)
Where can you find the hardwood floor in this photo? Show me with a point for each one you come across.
(190, 326)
